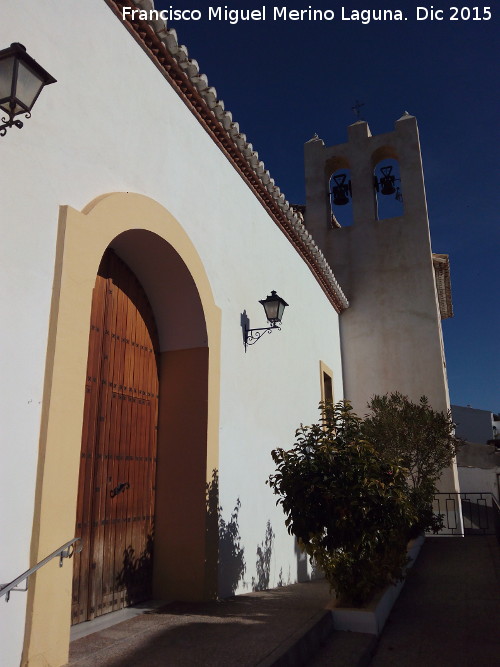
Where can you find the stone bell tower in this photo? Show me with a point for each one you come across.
(398, 290)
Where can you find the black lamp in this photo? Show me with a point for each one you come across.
(21, 81)
(274, 307)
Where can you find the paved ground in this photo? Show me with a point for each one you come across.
(449, 611)
(448, 614)
(247, 630)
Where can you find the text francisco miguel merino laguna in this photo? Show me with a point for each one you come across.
(233, 16)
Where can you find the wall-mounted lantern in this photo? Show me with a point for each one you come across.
(21, 81)
(274, 307)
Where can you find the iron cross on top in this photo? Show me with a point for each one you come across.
(357, 106)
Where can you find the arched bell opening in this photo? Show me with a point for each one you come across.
(388, 189)
(340, 194)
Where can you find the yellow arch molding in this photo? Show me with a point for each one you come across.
(81, 241)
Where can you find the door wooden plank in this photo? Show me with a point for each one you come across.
(108, 408)
(83, 518)
(119, 449)
(112, 463)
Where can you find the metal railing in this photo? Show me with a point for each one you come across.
(479, 511)
(496, 515)
(65, 551)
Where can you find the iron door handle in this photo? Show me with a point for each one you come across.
(123, 486)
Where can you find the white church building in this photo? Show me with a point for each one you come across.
(140, 230)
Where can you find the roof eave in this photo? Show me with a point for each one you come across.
(184, 76)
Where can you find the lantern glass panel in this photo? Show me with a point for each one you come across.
(271, 308)
(28, 86)
(6, 69)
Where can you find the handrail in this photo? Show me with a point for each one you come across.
(65, 551)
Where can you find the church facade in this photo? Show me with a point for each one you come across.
(140, 232)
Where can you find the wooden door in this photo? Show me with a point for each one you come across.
(118, 457)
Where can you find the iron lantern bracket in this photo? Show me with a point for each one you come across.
(251, 337)
(10, 123)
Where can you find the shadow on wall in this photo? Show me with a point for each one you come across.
(231, 559)
(136, 574)
(263, 564)
(245, 325)
(284, 582)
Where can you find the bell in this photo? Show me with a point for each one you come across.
(387, 181)
(340, 190)
(387, 185)
(339, 195)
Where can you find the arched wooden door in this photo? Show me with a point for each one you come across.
(116, 491)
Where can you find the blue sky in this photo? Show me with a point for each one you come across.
(284, 81)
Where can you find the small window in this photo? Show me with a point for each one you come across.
(326, 383)
(327, 388)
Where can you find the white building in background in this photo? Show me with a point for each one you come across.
(479, 469)
(131, 200)
(473, 425)
(478, 460)
(496, 426)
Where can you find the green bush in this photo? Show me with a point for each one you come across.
(418, 438)
(349, 508)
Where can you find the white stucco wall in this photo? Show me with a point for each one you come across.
(112, 123)
(479, 468)
(391, 334)
(479, 480)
